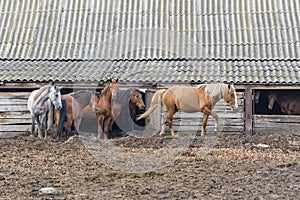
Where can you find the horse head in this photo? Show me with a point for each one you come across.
(55, 96)
(271, 100)
(95, 97)
(256, 96)
(231, 97)
(137, 99)
(113, 88)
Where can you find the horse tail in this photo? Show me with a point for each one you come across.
(155, 101)
(62, 116)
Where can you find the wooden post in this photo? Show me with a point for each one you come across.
(248, 110)
(154, 119)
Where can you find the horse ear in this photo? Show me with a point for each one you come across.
(110, 80)
(117, 80)
(230, 84)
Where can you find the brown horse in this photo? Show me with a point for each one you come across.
(126, 102)
(192, 99)
(289, 102)
(102, 106)
(73, 105)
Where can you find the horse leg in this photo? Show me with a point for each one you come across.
(208, 112)
(40, 133)
(77, 124)
(44, 124)
(100, 124)
(204, 122)
(106, 125)
(168, 120)
(33, 124)
(68, 127)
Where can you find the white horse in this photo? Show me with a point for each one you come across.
(39, 105)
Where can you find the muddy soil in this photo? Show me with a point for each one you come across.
(222, 167)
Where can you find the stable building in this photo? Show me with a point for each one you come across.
(153, 44)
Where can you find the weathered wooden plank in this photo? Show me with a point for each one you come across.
(229, 122)
(8, 121)
(277, 124)
(277, 118)
(10, 134)
(17, 95)
(208, 129)
(200, 115)
(11, 128)
(13, 102)
(13, 108)
(15, 115)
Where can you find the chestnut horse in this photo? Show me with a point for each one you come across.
(289, 102)
(126, 102)
(73, 105)
(102, 106)
(192, 99)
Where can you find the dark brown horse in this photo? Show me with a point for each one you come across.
(102, 106)
(124, 107)
(193, 99)
(73, 105)
(289, 102)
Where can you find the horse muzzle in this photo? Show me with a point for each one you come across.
(95, 109)
(142, 107)
(113, 96)
(58, 107)
(270, 107)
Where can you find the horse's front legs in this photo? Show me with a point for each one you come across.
(106, 126)
(44, 122)
(206, 112)
(40, 127)
(100, 124)
(33, 124)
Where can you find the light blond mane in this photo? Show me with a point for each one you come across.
(40, 91)
(215, 89)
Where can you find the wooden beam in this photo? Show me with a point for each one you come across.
(248, 110)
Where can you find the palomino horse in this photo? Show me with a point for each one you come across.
(126, 102)
(102, 106)
(289, 102)
(74, 104)
(39, 105)
(192, 99)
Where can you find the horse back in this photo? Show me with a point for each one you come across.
(186, 99)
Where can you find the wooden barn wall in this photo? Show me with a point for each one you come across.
(229, 121)
(277, 124)
(14, 115)
(273, 121)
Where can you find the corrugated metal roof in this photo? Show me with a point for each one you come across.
(153, 71)
(149, 29)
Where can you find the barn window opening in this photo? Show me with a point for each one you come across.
(286, 102)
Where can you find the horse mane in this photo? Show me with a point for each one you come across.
(40, 91)
(105, 90)
(214, 89)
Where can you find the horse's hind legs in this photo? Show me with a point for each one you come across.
(168, 120)
(33, 124)
(204, 122)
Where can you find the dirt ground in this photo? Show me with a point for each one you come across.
(221, 167)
